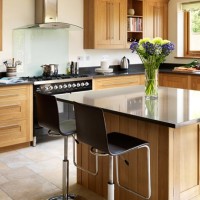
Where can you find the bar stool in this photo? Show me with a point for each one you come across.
(91, 130)
(48, 117)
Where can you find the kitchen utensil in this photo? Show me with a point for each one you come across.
(50, 70)
(124, 63)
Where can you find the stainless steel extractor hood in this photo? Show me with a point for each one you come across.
(46, 16)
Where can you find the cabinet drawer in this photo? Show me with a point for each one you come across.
(13, 93)
(13, 132)
(114, 82)
(12, 110)
(173, 80)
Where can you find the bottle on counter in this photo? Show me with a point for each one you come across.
(72, 68)
(76, 68)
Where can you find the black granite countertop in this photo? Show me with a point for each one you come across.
(173, 108)
(15, 84)
(133, 70)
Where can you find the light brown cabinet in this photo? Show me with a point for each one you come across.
(105, 24)
(119, 81)
(183, 81)
(174, 80)
(155, 18)
(16, 121)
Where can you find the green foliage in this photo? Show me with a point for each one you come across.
(195, 19)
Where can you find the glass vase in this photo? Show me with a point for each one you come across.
(151, 83)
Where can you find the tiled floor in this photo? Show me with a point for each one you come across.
(35, 173)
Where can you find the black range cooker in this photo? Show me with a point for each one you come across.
(61, 83)
(54, 85)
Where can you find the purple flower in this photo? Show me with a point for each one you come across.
(167, 48)
(134, 46)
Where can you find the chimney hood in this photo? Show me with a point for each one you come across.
(46, 15)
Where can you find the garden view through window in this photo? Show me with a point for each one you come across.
(192, 28)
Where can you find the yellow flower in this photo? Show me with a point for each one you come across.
(157, 40)
(165, 42)
(144, 40)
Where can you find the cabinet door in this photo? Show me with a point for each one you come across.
(155, 19)
(110, 24)
(105, 24)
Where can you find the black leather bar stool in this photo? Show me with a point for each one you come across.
(48, 117)
(91, 130)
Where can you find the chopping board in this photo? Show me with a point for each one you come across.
(185, 69)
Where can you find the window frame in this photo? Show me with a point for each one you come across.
(187, 51)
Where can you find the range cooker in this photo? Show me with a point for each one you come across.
(61, 83)
(54, 85)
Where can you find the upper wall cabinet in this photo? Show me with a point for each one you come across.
(155, 18)
(1, 15)
(105, 24)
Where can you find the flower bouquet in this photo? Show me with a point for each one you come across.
(152, 53)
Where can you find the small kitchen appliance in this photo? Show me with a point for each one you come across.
(124, 63)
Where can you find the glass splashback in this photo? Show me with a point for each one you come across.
(36, 47)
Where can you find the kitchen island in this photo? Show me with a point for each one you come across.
(171, 126)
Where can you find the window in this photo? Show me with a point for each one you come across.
(191, 29)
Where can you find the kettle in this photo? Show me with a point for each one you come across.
(124, 63)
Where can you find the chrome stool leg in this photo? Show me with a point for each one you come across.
(111, 186)
(65, 176)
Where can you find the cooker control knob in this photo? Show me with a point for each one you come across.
(55, 87)
(78, 84)
(69, 85)
(64, 86)
(73, 85)
(86, 83)
(46, 88)
(60, 87)
(50, 87)
(82, 84)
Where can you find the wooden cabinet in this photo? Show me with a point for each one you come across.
(195, 83)
(183, 81)
(134, 22)
(105, 24)
(119, 81)
(155, 18)
(174, 80)
(16, 112)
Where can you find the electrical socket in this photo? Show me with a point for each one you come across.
(80, 58)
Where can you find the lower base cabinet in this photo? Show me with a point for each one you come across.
(118, 81)
(174, 167)
(16, 115)
(183, 81)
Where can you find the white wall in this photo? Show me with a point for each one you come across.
(17, 13)
(21, 12)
